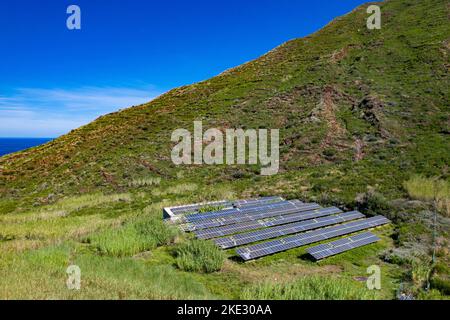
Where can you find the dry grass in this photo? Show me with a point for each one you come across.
(430, 189)
(144, 182)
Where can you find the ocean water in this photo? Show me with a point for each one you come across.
(10, 145)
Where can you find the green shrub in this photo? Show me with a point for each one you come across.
(199, 256)
(441, 268)
(441, 284)
(329, 153)
(309, 288)
(7, 206)
(372, 203)
(431, 295)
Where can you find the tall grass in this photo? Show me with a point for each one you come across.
(309, 288)
(65, 207)
(41, 274)
(430, 189)
(50, 230)
(89, 200)
(134, 237)
(199, 256)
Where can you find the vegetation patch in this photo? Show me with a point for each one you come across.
(89, 200)
(372, 203)
(310, 288)
(144, 182)
(133, 238)
(379, 128)
(199, 256)
(430, 189)
(102, 277)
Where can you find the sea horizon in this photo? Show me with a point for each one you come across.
(14, 144)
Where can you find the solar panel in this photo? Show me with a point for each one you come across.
(221, 213)
(251, 215)
(333, 248)
(256, 202)
(258, 224)
(195, 207)
(299, 240)
(283, 230)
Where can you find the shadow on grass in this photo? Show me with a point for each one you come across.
(307, 257)
(237, 259)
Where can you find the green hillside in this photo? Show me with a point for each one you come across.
(363, 115)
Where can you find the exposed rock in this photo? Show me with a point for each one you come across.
(370, 109)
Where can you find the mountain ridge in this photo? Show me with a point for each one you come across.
(333, 94)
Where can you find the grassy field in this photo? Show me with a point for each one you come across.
(125, 251)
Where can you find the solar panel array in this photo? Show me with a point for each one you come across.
(221, 213)
(270, 233)
(264, 223)
(194, 208)
(302, 239)
(342, 245)
(273, 225)
(256, 202)
(252, 214)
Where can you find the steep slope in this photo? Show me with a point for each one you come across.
(374, 103)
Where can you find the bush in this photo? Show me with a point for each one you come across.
(329, 153)
(431, 295)
(199, 256)
(309, 288)
(372, 203)
(441, 284)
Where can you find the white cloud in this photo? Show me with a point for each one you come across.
(36, 112)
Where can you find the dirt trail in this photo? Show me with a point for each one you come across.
(337, 136)
(335, 130)
(359, 147)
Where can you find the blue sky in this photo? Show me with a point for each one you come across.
(53, 79)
